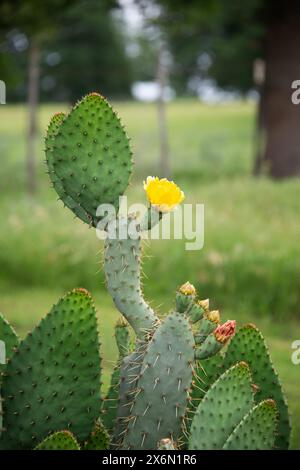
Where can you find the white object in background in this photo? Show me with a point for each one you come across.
(2, 352)
(149, 92)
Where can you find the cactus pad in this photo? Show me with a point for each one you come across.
(52, 131)
(110, 403)
(248, 345)
(61, 440)
(90, 156)
(53, 381)
(159, 405)
(222, 408)
(122, 270)
(98, 439)
(257, 429)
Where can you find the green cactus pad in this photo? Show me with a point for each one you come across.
(52, 131)
(11, 342)
(205, 328)
(110, 403)
(61, 440)
(221, 409)
(10, 339)
(208, 348)
(160, 403)
(90, 155)
(122, 270)
(195, 312)
(183, 302)
(53, 381)
(249, 345)
(98, 439)
(122, 336)
(129, 375)
(257, 429)
(207, 372)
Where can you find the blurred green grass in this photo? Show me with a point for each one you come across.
(249, 266)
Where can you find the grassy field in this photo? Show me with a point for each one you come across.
(249, 266)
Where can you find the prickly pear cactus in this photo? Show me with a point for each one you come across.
(174, 388)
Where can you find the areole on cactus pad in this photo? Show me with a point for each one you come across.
(180, 381)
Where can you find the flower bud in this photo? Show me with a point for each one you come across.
(214, 316)
(204, 304)
(224, 332)
(187, 289)
(185, 297)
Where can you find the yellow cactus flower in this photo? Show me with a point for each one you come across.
(163, 195)
(187, 289)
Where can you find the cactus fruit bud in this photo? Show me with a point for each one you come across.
(204, 304)
(185, 296)
(224, 332)
(187, 289)
(214, 316)
(163, 195)
(212, 344)
(166, 444)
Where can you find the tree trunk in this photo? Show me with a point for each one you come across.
(33, 96)
(259, 76)
(260, 135)
(162, 119)
(282, 116)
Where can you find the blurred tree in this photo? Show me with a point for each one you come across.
(83, 30)
(222, 39)
(36, 20)
(87, 54)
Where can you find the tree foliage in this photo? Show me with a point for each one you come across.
(214, 38)
(82, 47)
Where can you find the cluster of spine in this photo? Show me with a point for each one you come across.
(176, 387)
